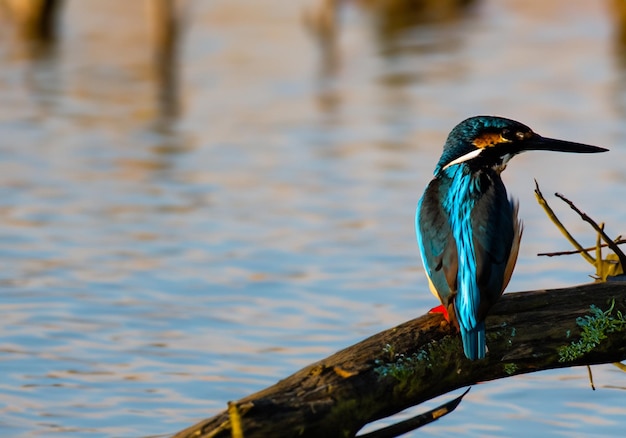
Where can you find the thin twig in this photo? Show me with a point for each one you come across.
(599, 261)
(618, 241)
(591, 378)
(542, 201)
(620, 365)
(620, 255)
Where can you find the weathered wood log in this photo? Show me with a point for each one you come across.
(423, 358)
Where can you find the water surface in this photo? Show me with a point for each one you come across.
(172, 242)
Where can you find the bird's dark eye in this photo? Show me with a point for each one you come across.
(507, 134)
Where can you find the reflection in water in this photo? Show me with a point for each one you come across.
(167, 17)
(89, 142)
(322, 23)
(33, 20)
(36, 26)
(390, 18)
(618, 14)
(393, 18)
(414, 40)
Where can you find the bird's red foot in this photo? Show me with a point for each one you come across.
(441, 309)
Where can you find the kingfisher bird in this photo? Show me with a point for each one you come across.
(467, 226)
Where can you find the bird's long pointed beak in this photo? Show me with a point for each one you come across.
(540, 143)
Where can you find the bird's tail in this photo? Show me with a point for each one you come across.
(474, 342)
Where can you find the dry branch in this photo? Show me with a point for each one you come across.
(606, 268)
(423, 358)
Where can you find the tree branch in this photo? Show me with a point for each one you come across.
(423, 358)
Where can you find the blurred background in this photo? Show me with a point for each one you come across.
(198, 198)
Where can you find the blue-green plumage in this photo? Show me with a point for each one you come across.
(467, 228)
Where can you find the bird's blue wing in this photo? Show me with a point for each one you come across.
(496, 234)
(436, 242)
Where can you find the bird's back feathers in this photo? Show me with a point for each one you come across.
(468, 235)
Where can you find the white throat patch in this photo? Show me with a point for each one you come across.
(505, 159)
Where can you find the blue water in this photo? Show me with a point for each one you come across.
(160, 256)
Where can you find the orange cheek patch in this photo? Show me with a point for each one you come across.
(488, 140)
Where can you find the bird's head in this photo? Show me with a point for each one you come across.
(489, 141)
